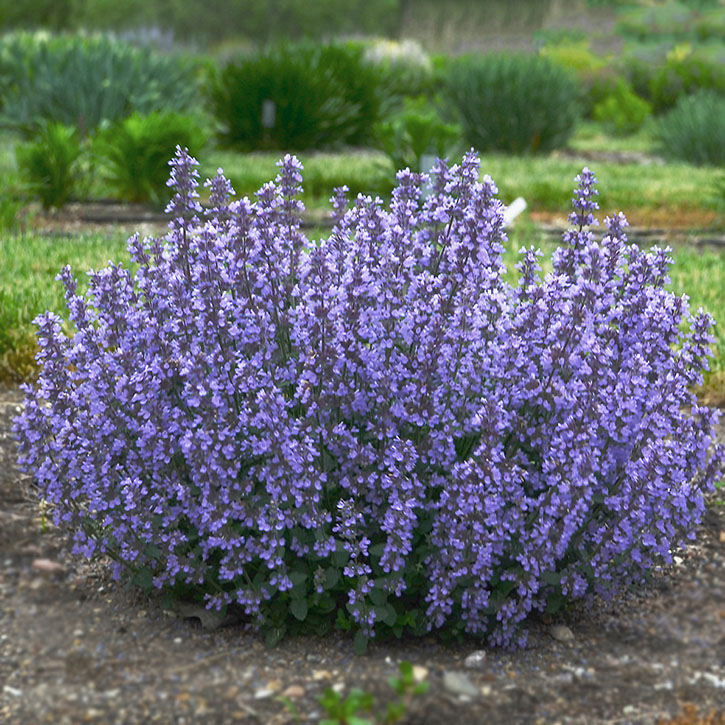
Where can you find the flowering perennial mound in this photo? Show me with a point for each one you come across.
(375, 427)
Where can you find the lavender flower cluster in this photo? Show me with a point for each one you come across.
(376, 425)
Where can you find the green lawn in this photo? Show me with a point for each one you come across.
(545, 182)
(685, 195)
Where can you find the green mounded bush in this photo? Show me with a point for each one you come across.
(406, 70)
(514, 103)
(662, 76)
(87, 81)
(684, 76)
(49, 164)
(622, 112)
(134, 153)
(414, 132)
(694, 130)
(322, 96)
(598, 76)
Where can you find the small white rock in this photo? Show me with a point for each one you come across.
(419, 673)
(458, 683)
(475, 660)
(561, 633)
(263, 693)
(13, 691)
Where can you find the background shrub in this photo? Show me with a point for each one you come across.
(323, 96)
(406, 70)
(49, 165)
(246, 419)
(694, 131)
(134, 153)
(513, 103)
(85, 81)
(711, 25)
(683, 76)
(416, 131)
(599, 77)
(622, 111)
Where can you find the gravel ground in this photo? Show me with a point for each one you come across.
(76, 647)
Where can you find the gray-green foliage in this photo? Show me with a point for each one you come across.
(694, 130)
(513, 103)
(86, 81)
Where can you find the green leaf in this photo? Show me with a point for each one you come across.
(298, 607)
(298, 578)
(552, 577)
(394, 712)
(144, 578)
(406, 670)
(342, 621)
(332, 577)
(341, 556)
(421, 688)
(555, 603)
(274, 635)
(360, 643)
(386, 614)
(378, 597)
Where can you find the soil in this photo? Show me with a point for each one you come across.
(77, 647)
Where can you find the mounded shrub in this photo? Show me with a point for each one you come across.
(415, 131)
(622, 111)
(598, 76)
(514, 103)
(406, 70)
(135, 153)
(662, 77)
(314, 96)
(375, 429)
(50, 164)
(694, 130)
(680, 77)
(85, 81)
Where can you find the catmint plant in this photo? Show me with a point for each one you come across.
(374, 430)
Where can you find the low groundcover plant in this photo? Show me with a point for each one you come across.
(374, 431)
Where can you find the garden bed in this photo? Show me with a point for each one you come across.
(77, 647)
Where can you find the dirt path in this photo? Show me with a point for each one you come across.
(75, 647)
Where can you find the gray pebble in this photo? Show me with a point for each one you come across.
(457, 683)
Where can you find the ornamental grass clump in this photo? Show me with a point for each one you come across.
(374, 431)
